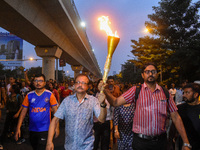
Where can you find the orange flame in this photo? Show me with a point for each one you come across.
(104, 25)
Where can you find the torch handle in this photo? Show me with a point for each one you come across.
(106, 70)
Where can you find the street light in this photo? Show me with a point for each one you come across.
(83, 24)
(146, 30)
(30, 59)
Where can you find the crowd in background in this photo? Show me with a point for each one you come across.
(14, 90)
(116, 129)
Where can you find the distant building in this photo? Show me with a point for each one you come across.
(11, 50)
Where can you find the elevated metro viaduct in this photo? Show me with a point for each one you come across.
(53, 27)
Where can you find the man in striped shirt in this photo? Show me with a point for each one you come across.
(151, 112)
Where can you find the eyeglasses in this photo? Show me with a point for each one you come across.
(152, 71)
(83, 83)
(40, 81)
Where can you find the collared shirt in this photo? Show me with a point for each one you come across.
(151, 109)
(79, 121)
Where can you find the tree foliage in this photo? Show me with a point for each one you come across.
(34, 70)
(129, 75)
(175, 45)
(149, 49)
(177, 22)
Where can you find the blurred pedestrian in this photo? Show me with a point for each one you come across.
(54, 91)
(11, 82)
(13, 109)
(172, 91)
(190, 114)
(102, 130)
(65, 92)
(179, 93)
(123, 122)
(91, 89)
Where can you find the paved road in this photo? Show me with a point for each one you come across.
(10, 143)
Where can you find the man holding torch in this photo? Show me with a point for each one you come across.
(151, 112)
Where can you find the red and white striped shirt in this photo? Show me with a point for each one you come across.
(151, 110)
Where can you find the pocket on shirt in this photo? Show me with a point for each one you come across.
(163, 107)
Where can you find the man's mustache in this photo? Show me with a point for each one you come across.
(151, 77)
(80, 88)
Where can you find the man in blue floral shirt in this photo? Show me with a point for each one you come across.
(78, 111)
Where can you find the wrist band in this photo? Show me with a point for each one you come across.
(187, 145)
(103, 105)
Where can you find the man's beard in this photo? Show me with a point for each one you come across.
(189, 101)
(152, 81)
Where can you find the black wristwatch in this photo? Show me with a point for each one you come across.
(187, 145)
(103, 105)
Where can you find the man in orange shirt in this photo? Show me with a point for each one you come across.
(115, 91)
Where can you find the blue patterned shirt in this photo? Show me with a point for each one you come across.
(78, 121)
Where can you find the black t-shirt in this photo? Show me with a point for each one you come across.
(13, 104)
(190, 115)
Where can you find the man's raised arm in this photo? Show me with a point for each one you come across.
(113, 100)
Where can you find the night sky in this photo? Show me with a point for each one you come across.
(127, 17)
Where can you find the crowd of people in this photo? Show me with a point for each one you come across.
(135, 117)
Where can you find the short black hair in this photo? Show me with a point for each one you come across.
(110, 77)
(148, 64)
(52, 83)
(194, 86)
(90, 82)
(98, 81)
(16, 88)
(40, 75)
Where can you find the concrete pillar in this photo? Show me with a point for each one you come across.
(77, 70)
(48, 63)
(48, 67)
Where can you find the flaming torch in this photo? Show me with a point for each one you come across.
(113, 40)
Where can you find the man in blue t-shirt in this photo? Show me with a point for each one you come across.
(39, 103)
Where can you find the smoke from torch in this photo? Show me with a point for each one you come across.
(113, 40)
